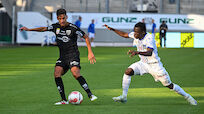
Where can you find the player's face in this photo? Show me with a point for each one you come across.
(139, 34)
(62, 19)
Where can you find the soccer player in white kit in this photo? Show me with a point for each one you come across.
(149, 63)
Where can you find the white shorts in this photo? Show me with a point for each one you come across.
(91, 35)
(155, 69)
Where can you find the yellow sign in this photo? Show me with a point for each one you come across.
(187, 39)
(157, 39)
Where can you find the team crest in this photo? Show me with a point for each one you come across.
(144, 47)
(58, 31)
(68, 32)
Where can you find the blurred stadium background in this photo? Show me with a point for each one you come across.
(26, 69)
(184, 19)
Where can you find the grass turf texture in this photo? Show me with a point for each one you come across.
(27, 84)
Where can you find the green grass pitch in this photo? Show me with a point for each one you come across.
(27, 82)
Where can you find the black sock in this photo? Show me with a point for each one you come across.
(84, 85)
(60, 87)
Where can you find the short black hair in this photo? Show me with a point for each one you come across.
(141, 26)
(61, 11)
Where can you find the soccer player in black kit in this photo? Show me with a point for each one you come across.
(66, 38)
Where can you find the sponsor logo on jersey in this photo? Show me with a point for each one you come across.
(62, 33)
(57, 30)
(74, 63)
(64, 38)
(68, 32)
(144, 47)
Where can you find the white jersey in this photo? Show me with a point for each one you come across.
(142, 44)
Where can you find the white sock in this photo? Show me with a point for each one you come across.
(179, 90)
(125, 84)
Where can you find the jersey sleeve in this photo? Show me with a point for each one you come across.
(150, 43)
(51, 28)
(79, 32)
(131, 35)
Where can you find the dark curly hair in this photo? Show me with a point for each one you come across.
(61, 11)
(141, 26)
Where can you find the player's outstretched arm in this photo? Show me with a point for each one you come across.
(120, 33)
(91, 56)
(40, 29)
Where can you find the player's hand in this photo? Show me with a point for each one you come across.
(109, 28)
(132, 53)
(24, 29)
(91, 58)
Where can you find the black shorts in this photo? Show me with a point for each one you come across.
(68, 62)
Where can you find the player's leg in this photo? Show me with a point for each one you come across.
(76, 73)
(58, 80)
(125, 85)
(43, 42)
(160, 73)
(92, 42)
(164, 40)
(92, 39)
(160, 37)
(165, 80)
(180, 91)
(48, 41)
(126, 80)
(92, 36)
(177, 89)
(134, 69)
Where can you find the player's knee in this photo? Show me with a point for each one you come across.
(170, 86)
(58, 72)
(129, 72)
(76, 72)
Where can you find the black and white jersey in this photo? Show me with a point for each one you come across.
(66, 38)
(162, 30)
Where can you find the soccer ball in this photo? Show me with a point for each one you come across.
(75, 98)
